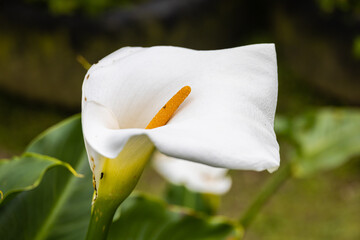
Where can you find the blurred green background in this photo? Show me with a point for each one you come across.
(318, 47)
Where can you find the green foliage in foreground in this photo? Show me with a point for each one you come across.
(146, 218)
(59, 207)
(25, 172)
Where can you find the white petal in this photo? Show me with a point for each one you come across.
(195, 176)
(227, 121)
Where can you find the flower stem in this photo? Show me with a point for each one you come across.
(264, 195)
(101, 219)
(116, 181)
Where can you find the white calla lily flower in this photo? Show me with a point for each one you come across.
(227, 120)
(197, 177)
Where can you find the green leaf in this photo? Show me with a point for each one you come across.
(25, 172)
(325, 139)
(181, 196)
(143, 217)
(59, 208)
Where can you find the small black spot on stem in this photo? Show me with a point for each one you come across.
(101, 175)
(164, 107)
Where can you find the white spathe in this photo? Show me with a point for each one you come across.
(227, 120)
(195, 176)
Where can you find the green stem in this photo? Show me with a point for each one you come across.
(115, 181)
(264, 195)
(101, 219)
